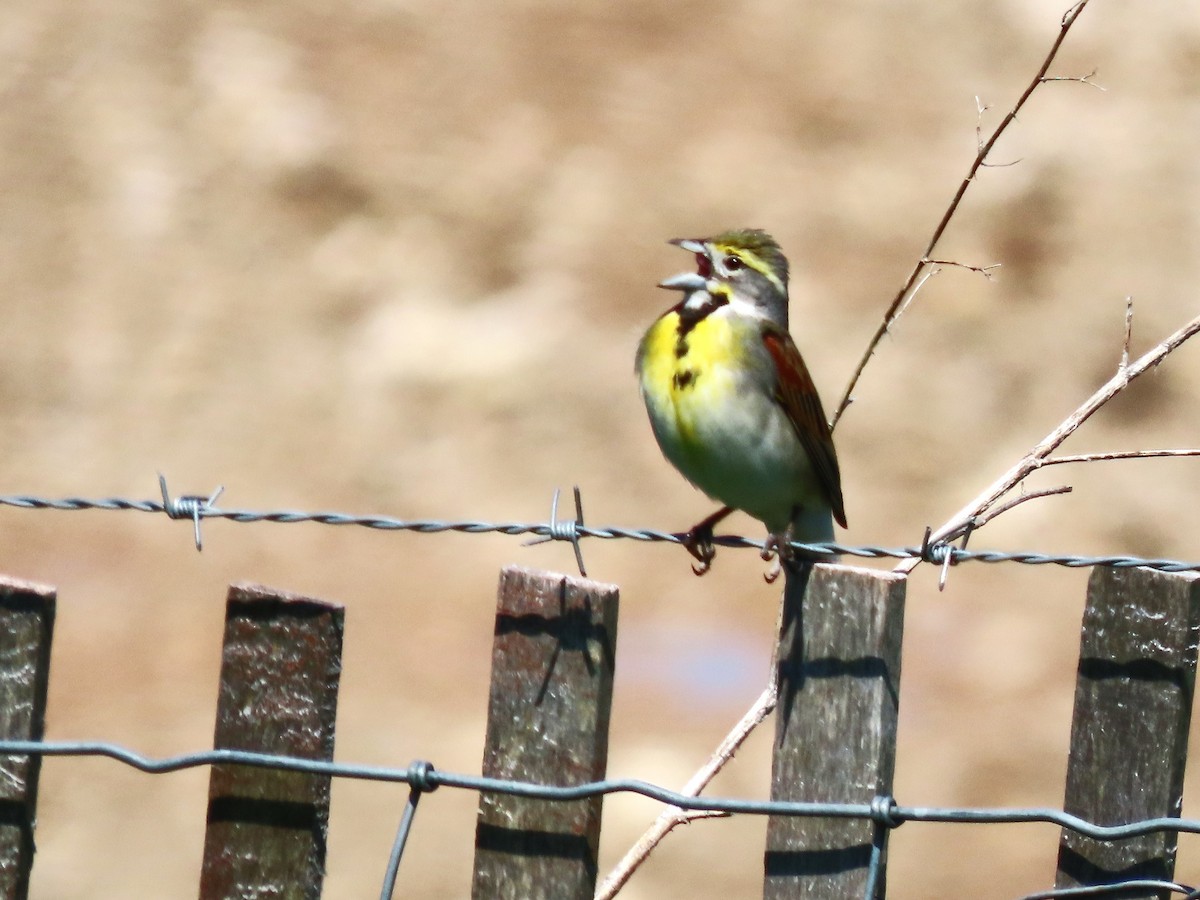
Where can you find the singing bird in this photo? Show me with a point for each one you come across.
(731, 401)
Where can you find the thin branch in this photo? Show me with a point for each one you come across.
(1082, 79)
(980, 109)
(1037, 457)
(1118, 454)
(1004, 165)
(980, 521)
(985, 271)
(912, 295)
(968, 527)
(981, 155)
(1128, 331)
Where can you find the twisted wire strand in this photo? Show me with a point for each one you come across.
(198, 508)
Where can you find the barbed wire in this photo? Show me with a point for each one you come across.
(423, 777)
(197, 507)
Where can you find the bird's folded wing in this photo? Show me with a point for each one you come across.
(798, 396)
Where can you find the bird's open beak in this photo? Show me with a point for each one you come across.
(689, 244)
(685, 281)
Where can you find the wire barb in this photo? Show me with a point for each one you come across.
(188, 506)
(564, 529)
(952, 552)
(942, 552)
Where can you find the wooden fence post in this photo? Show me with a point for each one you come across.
(26, 628)
(278, 694)
(551, 691)
(1129, 733)
(835, 726)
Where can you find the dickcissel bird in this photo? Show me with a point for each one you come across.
(731, 401)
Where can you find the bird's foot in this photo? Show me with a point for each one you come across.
(775, 548)
(699, 543)
(778, 547)
(699, 540)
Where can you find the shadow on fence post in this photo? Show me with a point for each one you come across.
(26, 627)
(835, 728)
(548, 713)
(280, 667)
(1129, 733)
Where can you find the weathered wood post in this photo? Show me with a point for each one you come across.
(280, 668)
(26, 628)
(835, 727)
(1129, 733)
(548, 713)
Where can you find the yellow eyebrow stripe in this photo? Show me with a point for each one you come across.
(755, 262)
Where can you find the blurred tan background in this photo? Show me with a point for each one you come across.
(391, 257)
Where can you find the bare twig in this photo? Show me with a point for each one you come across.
(985, 271)
(980, 521)
(929, 272)
(1082, 79)
(1128, 331)
(968, 527)
(1037, 457)
(1003, 165)
(980, 109)
(1118, 454)
(981, 155)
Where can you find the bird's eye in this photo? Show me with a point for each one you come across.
(733, 263)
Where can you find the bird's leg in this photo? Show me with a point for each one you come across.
(698, 541)
(779, 548)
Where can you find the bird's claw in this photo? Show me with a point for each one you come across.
(774, 549)
(699, 543)
(699, 540)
